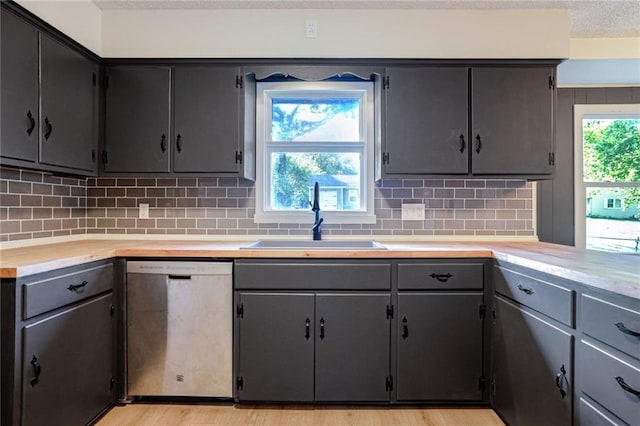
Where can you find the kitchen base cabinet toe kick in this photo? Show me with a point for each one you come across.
(337, 331)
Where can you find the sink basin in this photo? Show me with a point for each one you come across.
(315, 245)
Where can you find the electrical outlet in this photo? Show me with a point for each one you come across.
(311, 28)
(143, 211)
(413, 211)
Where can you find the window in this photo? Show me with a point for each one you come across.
(308, 132)
(607, 177)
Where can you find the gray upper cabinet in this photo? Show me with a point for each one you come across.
(49, 100)
(68, 100)
(137, 119)
(512, 120)
(426, 125)
(18, 89)
(207, 119)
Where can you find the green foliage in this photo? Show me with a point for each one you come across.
(295, 118)
(612, 154)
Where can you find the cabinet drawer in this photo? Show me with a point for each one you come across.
(611, 324)
(602, 379)
(550, 299)
(45, 295)
(593, 415)
(312, 276)
(440, 276)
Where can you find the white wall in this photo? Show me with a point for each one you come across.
(604, 48)
(79, 19)
(341, 33)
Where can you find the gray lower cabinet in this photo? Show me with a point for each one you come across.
(276, 347)
(137, 119)
(440, 355)
(58, 346)
(18, 89)
(305, 347)
(67, 364)
(532, 367)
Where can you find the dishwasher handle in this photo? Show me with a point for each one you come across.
(180, 277)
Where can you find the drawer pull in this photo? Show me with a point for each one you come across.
(321, 328)
(307, 330)
(625, 330)
(405, 328)
(525, 289)
(561, 380)
(626, 387)
(77, 287)
(443, 278)
(36, 371)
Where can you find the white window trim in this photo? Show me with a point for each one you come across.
(580, 200)
(365, 216)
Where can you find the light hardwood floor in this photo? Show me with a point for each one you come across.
(228, 414)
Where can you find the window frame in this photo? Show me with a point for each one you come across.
(580, 112)
(265, 92)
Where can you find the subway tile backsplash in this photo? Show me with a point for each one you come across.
(36, 205)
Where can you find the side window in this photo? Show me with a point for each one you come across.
(607, 177)
(308, 132)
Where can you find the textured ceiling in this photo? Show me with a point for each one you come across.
(589, 18)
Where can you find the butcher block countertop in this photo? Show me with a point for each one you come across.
(613, 272)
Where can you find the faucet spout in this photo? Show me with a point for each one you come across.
(317, 231)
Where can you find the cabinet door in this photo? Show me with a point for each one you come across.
(529, 356)
(67, 365)
(426, 121)
(352, 347)
(276, 347)
(512, 116)
(439, 346)
(68, 115)
(137, 119)
(18, 89)
(207, 119)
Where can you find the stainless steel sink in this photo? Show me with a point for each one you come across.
(315, 245)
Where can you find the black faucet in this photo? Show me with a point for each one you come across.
(317, 231)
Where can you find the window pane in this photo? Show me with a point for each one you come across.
(613, 219)
(329, 119)
(294, 174)
(611, 148)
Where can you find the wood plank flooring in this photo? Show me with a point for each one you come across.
(289, 415)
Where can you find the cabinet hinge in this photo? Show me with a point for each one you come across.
(385, 82)
(112, 383)
(389, 311)
(93, 78)
(552, 158)
(480, 383)
(389, 384)
(105, 157)
(239, 81)
(385, 158)
(482, 310)
(240, 310)
(112, 310)
(239, 382)
(238, 157)
(105, 82)
(552, 82)
(93, 155)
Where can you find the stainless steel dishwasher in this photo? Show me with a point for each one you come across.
(179, 329)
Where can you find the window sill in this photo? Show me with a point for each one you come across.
(330, 218)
